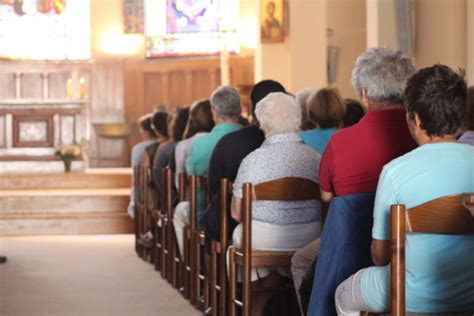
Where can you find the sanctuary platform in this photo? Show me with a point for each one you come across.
(90, 202)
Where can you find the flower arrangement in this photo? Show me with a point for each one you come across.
(68, 153)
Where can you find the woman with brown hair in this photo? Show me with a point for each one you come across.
(326, 110)
(199, 123)
(176, 128)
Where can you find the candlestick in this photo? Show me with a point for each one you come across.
(82, 88)
(69, 88)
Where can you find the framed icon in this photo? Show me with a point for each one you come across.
(272, 20)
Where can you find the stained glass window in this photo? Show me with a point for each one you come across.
(45, 29)
(190, 27)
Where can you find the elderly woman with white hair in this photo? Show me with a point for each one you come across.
(280, 225)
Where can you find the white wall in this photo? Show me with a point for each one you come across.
(300, 61)
(470, 42)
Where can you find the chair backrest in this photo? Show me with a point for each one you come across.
(445, 215)
(468, 202)
(195, 183)
(182, 179)
(145, 179)
(136, 184)
(287, 189)
(167, 189)
(225, 189)
(283, 189)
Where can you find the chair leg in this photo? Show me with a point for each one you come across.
(186, 264)
(157, 245)
(173, 258)
(164, 256)
(191, 266)
(197, 270)
(213, 280)
(233, 282)
(223, 282)
(207, 288)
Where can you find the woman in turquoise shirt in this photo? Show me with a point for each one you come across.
(326, 109)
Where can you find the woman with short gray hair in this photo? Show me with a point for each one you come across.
(279, 225)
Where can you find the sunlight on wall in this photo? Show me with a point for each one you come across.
(114, 42)
(248, 24)
(107, 37)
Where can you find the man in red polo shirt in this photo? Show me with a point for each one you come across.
(354, 157)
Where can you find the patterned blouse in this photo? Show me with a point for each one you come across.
(280, 156)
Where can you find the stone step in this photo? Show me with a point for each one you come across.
(63, 201)
(89, 202)
(89, 179)
(116, 222)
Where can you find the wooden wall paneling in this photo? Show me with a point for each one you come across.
(212, 81)
(133, 90)
(154, 85)
(18, 77)
(31, 86)
(175, 82)
(164, 93)
(57, 85)
(200, 85)
(242, 71)
(3, 131)
(7, 86)
(106, 87)
(134, 97)
(178, 96)
(189, 87)
(45, 85)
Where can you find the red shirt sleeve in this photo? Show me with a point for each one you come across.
(326, 169)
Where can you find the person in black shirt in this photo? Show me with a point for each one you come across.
(225, 161)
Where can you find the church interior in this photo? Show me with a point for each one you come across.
(89, 219)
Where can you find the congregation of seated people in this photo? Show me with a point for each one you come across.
(408, 140)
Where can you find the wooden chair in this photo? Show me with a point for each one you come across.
(158, 219)
(218, 277)
(171, 253)
(446, 215)
(468, 202)
(284, 189)
(186, 256)
(177, 262)
(147, 195)
(138, 201)
(199, 283)
(164, 226)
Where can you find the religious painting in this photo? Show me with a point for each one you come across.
(272, 19)
(133, 16)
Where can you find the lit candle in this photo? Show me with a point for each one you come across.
(69, 88)
(82, 88)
